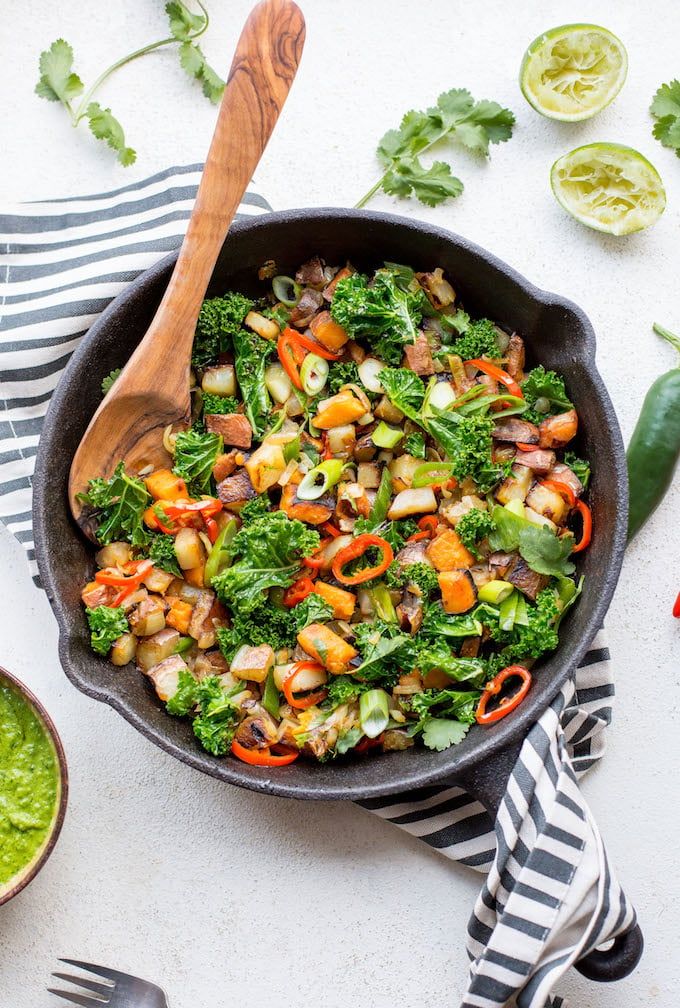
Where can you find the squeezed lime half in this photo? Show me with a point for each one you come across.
(573, 71)
(609, 187)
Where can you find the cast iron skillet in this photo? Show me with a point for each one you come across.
(557, 334)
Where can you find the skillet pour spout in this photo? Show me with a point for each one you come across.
(557, 334)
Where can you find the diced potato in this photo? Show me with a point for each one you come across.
(305, 679)
(165, 676)
(266, 464)
(408, 502)
(148, 617)
(200, 613)
(516, 486)
(342, 408)
(152, 650)
(341, 440)
(211, 663)
(189, 548)
(459, 593)
(343, 602)
(183, 590)
(95, 594)
(266, 328)
(252, 663)
(158, 580)
(447, 552)
(538, 519)
(219, 380)
(368, 474)
(179, 614)
(116, 554)
(401, 470)
(163, 485)
(123, 649)
(134, 599)
(326, 647)
(547, 502)
(278, 383)
(386, 410)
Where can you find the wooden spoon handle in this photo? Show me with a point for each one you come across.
(262, 72)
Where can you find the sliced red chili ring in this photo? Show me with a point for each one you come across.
(356, 549)
(587, 532)
(298, 592)
(302, 703)
(310, 344)
(676, 607)
(428, 526)
(506, 704)
(498, 374)
(291, 356)
(261, 757)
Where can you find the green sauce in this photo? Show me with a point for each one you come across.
(29, 783)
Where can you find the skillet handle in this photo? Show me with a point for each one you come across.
(487, 783)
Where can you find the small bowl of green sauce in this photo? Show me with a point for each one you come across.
(33, 786)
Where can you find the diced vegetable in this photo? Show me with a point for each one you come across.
(252, 662)
(459, 593)
(343, 602)
(446, 552)
(326, 647)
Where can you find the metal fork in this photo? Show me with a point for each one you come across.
(120, 990)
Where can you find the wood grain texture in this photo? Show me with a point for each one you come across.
(153, 389)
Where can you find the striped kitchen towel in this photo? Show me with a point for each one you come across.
(550, 895)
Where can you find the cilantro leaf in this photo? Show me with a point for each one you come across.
(456, 117)
(57, 81)
(192, 60)
(665, 108)
(183, 24)
(440, 733)
(106, 127)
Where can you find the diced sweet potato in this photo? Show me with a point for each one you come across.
(557, 431)
(313, 512)
(328, 648)
(342, 408)
(327, 332)
(224, 465)
(459, 593)
(179, 614)
(343, 602)
(164, 485)
(446, 552)
(195, 576)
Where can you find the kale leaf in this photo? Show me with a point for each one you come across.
(196, 452)
(252, 354)
(405, 390)
(120, 504)
(468, 444)
(107, 623)
(162, 552)
(379, 311)
(473, 526)
(219, 320)
(480, 338)
(219, 404)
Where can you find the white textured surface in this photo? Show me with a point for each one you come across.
(225, 896)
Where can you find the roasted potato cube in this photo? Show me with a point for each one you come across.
(123, 649)
(152, 650)
(252, 663)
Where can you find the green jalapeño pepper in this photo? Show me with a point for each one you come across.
(654, 448)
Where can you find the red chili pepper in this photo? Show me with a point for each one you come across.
(676, 607)
(184, 514)
(331, 529)
(132, 577)
(506, 704)
(493, 371)
(561, 488)
(261, 757)
(354, 550)
(315, 561)
(587, 532)
(302, 703)
(428, 527)
(298, 591)
(526, 447)
(291, 356)
(309, 344)
(368, 743)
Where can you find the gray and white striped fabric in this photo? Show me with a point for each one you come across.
(550, 895)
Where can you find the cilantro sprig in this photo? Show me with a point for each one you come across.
(59, 82)
(456, 117)
(665, 109)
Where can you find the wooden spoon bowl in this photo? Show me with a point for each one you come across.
(152, 392)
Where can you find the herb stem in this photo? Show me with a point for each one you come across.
(395, 161)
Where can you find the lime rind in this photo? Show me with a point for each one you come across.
(609, 187)
(573, 71)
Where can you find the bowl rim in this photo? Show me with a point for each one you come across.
(505, 732)
(26, 874)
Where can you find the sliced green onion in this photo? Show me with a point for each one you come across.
(328, 472)
(313, 373)
(521, 612)
(431, 472)
(507, 611)
(286, 290)
(183, 644)
(218, 556)
(270, 698)
(374, 713)
(385, 436)
(495, 592)
(382, 603)
(368, 371)
(383, 498)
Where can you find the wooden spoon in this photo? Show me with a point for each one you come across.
(153, 389)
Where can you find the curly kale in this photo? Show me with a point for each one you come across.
(216, 404)
(268, 624)
(107, 623)
(474, 526)
(382, 311)
(547, 389)
(258, 507)
(120, 504)
(424, 577)
(467, 441)
(533, 640)
(341, 373)
(219, 320)
(480, 338)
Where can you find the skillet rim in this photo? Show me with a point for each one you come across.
(430, 767)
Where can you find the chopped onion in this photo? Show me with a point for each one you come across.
(359, 393)
(369, 370)
(278, 383)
